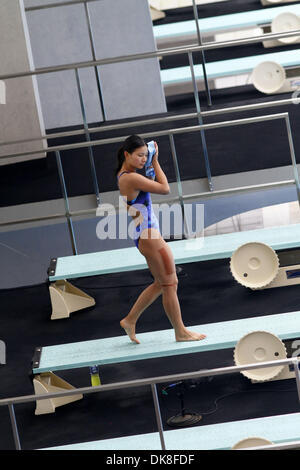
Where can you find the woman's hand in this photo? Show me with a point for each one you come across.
(151, 173)
(155, 156)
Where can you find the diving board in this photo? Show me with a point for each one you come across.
(220, 436)
(66, 298)
(176, 79)
(184, 251)
(119, 349)
(172, 4)
(172, 31)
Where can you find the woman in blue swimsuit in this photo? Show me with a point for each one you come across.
(135, 190)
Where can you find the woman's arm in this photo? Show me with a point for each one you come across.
(161, 185)
(141, 183)
(137, 182)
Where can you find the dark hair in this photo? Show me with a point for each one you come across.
(130, 145)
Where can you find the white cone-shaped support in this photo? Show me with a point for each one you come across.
(254, 265)
(48, 382)
(251, 442)
(268, 77)
(66, 298)
(260, 346)
(156, 14)
(284, 23)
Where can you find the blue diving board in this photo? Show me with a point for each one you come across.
(217, 23)
(230, 67)
(184, 251)
(221, 436)
(222, 335)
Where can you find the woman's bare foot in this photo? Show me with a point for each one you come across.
(187, 335)
(130, 330)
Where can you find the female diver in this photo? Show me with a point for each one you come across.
(135, 190)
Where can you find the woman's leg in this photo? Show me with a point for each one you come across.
(146, 298)
(161, 264)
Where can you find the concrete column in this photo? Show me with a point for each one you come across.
(20, 113)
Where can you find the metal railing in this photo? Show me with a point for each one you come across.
(155, 54)
(10, 402)
(202, 128)
(190, 49)
(149, 55)
(86, 2)
(157, 120)
(170, 133)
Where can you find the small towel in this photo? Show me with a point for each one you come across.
(150, 173)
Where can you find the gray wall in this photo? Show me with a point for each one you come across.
(20, 116)
(60, 35)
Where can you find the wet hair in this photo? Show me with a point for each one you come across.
(130, 145)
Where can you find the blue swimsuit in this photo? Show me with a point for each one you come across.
(143, 204)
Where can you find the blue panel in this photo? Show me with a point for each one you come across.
(162, 343)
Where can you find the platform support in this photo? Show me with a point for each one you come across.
(50, 383)
(66, 298)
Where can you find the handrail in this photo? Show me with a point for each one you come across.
(179, 130)
(55, 5)
(170, 51)
(10, 402)
(68, 214)
(151, 380)
(145, 122)
(150, 55)
(209, 194)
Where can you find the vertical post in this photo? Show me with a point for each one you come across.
(14, 426)
(158, 416)
(65, 196)
(88, 19)
(208, 96)
(88, 138)
(297, 375)
(179, 186)
(293, 156)
(200, 120)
